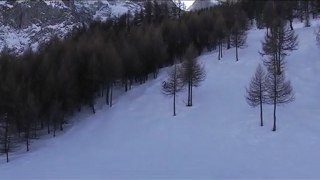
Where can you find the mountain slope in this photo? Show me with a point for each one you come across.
(201, 4)
(26, 23)
(219, 137)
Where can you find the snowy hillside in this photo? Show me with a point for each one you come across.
(200, 4)
(219, 137)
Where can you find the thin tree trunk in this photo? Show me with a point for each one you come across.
(291, 26)
(261, 114)
(191, 93)
(27, 139)
(126, 85)
(130, 84)
(92, 106)
(237, 58)
(275, 102)
(48, 127)
(174, 90)
(54, 129)
(7, 138)
(174, 103)
(219, 50)
(61, 123)
(107, 94)
(111, 92)
(274, 116)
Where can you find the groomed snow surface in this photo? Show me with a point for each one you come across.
(219, 137)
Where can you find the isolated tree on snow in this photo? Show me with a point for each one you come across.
(193, 72)
(256, 93)
(279, 91)
(173, 85)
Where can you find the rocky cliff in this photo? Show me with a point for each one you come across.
(26, 23)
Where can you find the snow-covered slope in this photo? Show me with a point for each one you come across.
(200, 4)
(219, 137)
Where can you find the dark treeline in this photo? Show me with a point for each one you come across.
(39, 90)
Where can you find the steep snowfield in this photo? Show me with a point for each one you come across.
(219, 137)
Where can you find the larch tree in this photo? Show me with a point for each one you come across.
(278, 44)
(193, 72)
(173, 85)
(238, 37)
(279, 91)
(220, 33)
(256, 93)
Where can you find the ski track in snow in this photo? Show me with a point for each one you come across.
(219, 137)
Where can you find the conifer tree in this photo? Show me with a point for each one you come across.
(193, 72)
(238, 37)
(277, 46)
(256, 93)
(279, 91)
(173, 85)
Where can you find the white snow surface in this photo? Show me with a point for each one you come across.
(218, 137)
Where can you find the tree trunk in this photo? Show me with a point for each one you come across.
(7, 154)
(7, 138)
(291, 26)
(92, 106)
(126, 85)
(228, 43)
(61, 123)
(111, 90)
(237, 58)
(174, 89)
(191, 92)
(219, 50)
(274, 116)
(54, 129)
(48, 127)
(261, 114)
(107, 94)
(261, 109)
(275, 102)
(27, 140)
(174, 103)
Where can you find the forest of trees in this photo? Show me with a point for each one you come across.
(41, 89)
